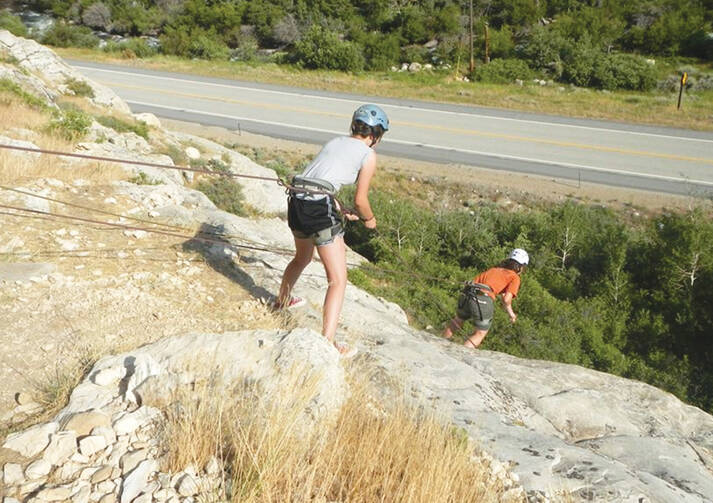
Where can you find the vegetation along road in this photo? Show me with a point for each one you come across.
(644, 157)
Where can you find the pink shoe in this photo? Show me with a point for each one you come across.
(293, 303)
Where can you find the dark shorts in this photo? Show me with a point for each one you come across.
(315, 220)
(478, 308)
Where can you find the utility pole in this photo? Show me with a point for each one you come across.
(472, 59)
(487, 43)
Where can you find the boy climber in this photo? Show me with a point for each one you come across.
(476, 300)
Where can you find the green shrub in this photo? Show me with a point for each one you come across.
(80, 88)
(122, 126)
(143, 179)
(502, 71)
(321, 48)
(225, 193)
(579, 62)
(193, 43)
(12, 23)
(66, 35)
(133, 48)
(623, 71)
(71, 124)
(381, 51)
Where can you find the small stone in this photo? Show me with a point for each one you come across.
(108, 498)
(107, 486)
(12, 474)
(68, 471)
(192, 153)
(54, 494)
(62, 446)
(84, 422)
(92, 444)
(212, 467)
(81, 492)
(130, 460)
(101, 474)
(38, 469)
(135, 481)
(187, 486)
(106, 432)
(23, 398)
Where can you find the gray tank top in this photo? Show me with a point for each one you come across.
(339, 162)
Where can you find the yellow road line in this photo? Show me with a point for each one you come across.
(466, 132)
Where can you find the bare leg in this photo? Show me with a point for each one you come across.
(454, 325)
(304, 249)
(475, 339)
(334, 258)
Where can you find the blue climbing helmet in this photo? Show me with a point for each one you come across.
(371, 115)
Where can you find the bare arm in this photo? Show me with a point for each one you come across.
(361, 198)
(507, 304)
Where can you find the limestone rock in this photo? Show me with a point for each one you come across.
(62, 446)
(31, 441)
(109, 375)
(135, 481)
(37, 469)
(84, 422)
(92, 444)
(101, 474)
(149, 119)
(12, 474)
(187, 486)
(128, 423)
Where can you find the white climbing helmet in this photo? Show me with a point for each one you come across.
(520, 256)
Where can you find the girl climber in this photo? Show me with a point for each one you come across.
(476, 300)
(313, 212)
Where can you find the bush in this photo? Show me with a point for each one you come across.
(71, 124)
(381, 51)
(502, 71)
(193, 43)
(225, 193)
(12, 23)
(65, 35)
(135, 47)
(623, 71)
(579, 61)
(80, 88)
(321, 48)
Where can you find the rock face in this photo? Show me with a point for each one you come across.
(113, 449)
(38, 59)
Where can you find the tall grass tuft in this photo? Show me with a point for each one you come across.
(360, 454)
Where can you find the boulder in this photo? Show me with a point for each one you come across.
(42, 61)
(32, 441)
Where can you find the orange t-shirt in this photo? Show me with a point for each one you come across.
(500, 280)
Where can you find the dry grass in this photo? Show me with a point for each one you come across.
(18, 167)
(364, 454)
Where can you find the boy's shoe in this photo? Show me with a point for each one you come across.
(345, 351)
(293, 303)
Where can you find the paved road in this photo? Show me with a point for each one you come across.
(651, 158)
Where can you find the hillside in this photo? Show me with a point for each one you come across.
(170, 308)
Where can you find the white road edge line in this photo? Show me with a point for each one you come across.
(428, 110)
(437, 147)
